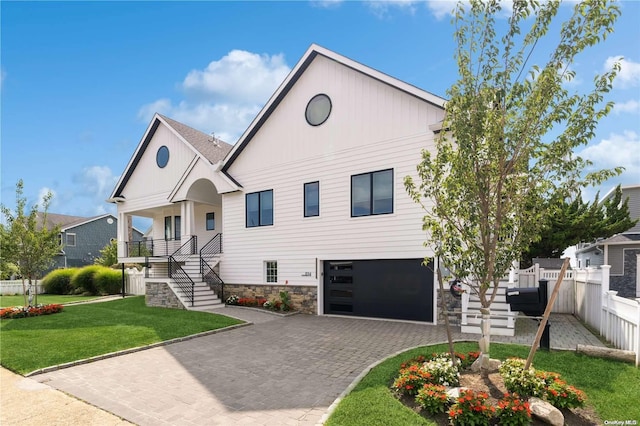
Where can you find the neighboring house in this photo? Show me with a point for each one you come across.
(621, 251)
(83, 237)
(310, 199)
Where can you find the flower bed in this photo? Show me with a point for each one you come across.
(426, 383)
(29, 311)
(282, 305)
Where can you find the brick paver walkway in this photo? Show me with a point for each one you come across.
(279, 371)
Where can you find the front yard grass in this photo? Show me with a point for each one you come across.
(84, 331)
(612, 387)
(43, 299)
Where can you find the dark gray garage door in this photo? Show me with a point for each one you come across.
(389, 288)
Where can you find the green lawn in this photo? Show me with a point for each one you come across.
(83, 331)
(44, 299)
(612, 387)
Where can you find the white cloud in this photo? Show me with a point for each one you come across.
(381, 8)
(442, 8)
(617, 150)
(42, 193)
(629, 75)
(631, 106)
(240, 76)
(326, 4)
(226, 95)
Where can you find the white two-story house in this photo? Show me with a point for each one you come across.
(310, 199)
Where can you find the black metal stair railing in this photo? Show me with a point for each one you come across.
(177, 274)
(209, 250)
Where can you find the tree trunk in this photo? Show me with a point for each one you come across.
(485, 340)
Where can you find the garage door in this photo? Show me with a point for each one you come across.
(390, 288)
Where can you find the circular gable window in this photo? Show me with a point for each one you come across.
(318, 109)
(162, 156)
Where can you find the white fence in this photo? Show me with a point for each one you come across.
(585, 293)
(9, 287)
(565, 301)
(134, 282)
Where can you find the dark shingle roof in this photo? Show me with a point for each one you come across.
(200, 141)
(65, 221)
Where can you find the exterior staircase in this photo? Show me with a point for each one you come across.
(204, 297)
(502, 319)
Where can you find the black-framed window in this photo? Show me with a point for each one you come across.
(312, 199)
(372, 193)
(259, 208)
(177, 229)
(211, 221)
(271, 271)
(167, 228)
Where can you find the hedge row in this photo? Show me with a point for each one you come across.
(90, 280)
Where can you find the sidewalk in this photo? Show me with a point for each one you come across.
(25, 401)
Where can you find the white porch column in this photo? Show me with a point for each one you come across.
(188, 223)
(123, 234)
(638, 281)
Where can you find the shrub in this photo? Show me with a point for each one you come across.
(442, 370)
(561, 395)
(59, 281)
(471, 409)
(232, 300)
(513, 411)
(83, 279)
(432, 398)
(108, 281)
(518, 380)
(411, 380)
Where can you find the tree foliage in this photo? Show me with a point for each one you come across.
(510, 132)
(26, 239)
(575, 221)
(108, 255)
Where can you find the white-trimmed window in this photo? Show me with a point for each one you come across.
(71, 240)
(271, 271)
(211, 221)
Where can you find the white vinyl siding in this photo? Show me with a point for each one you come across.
(373, 127)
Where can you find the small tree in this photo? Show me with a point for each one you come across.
(26, 240)
(508, 138)
(108, 255)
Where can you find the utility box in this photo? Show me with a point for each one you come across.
(531, 301)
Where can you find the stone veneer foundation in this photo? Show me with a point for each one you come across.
(159, 294)
(303, 298)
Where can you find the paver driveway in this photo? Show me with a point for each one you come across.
(279, 371)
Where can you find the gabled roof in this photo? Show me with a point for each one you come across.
(67, 222)
(306, 60)
(198, 141)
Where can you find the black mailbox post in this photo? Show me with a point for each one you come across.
(532, 302)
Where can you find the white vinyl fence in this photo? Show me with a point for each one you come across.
(9, 287)
(565, 301)
(134, 281)
(617, 318)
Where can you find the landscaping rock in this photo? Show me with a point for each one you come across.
(546, 412)
(491, 365)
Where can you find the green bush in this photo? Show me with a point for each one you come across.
(108, 281)
(83, 281)
(59, 281)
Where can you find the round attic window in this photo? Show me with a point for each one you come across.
(162, 156)
(110, 221)
(318, 109)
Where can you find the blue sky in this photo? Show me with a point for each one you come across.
(81, 80)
